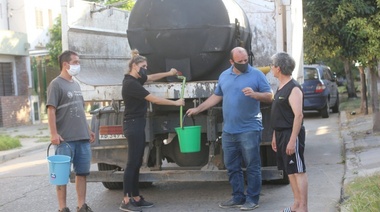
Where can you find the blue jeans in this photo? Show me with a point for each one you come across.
(238, 147)
(81, 157)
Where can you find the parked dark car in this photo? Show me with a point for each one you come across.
(320, 90)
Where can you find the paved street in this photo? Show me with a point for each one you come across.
(24, 182)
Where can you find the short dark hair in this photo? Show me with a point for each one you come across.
(65, 57)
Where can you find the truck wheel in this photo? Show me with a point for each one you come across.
(110, 185)
(191, 159)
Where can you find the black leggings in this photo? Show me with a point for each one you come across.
(134, 131)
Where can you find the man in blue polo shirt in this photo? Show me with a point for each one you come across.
(242, 88)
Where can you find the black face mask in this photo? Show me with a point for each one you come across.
(241, 67)
(143, 74)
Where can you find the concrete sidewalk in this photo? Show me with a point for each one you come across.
(32, 137)
(361, 146)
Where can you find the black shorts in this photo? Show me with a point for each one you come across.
(294, 163)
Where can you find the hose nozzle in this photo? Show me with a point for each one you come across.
(181, 77)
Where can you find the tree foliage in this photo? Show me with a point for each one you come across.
(328, 32)
(54, 46)
(349, 29)
(368, 30)
(319, 41)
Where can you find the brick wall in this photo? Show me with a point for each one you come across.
(15, 111)
(22, 76)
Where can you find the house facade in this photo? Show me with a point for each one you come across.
(24, 27)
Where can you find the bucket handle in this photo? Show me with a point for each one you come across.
(71, 150)
(183, 120)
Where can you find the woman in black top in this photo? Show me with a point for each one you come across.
(135, 98)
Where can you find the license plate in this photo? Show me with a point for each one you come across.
(111, 132)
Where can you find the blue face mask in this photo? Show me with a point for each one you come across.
(241, 67)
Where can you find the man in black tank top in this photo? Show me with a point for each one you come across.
(289, 133)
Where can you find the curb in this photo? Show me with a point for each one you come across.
(15, 153)
(350, 158)
(345, 139)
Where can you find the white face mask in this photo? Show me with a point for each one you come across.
(74, 70)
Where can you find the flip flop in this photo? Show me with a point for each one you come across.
(288, 209)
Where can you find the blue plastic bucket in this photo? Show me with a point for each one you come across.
(59, 167)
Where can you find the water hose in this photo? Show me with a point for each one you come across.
(182, 93)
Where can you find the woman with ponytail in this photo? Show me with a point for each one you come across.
(135, 98)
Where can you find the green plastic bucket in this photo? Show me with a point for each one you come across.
(189, 138)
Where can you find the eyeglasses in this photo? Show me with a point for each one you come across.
(272, 65)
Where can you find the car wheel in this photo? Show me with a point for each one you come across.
(325, 110)
(335, 108)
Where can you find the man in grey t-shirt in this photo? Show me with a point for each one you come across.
(67, 123)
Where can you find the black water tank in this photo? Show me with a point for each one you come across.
(194, 36)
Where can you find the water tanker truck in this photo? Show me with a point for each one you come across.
(196, 38)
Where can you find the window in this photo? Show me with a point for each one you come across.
(50, 16)
(310, 74)
(6, 79)
(326, 74)
(39, 20)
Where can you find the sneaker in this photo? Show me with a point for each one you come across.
(248, 206)
(84, 208)
(130, 206)
(142, 203)
(231, 204)
(65, 209)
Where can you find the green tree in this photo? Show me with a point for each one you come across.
(318, 39)
(367, 29)
(350, 30)
(328, 34)
(55, 44)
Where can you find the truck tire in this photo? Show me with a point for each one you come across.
(110, 185)
(118, 185)
(191, 159)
